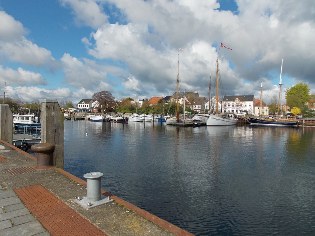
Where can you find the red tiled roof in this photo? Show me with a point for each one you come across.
(257, 102)
(154, 100)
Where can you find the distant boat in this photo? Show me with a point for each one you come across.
(96, 118)
(119, 119)
(135, 118)
(219, 119)
(146, 118)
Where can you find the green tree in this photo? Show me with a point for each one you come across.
(126, 105)
(13, 104)
(68, 104)
(298, 96)
(273, 106)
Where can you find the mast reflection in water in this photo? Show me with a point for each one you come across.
(207, 180)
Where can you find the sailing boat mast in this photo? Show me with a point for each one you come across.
(260, 110)
(280, 90)
(177, 88)
(217, 88)
(209, 94)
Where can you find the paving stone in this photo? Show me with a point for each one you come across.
(42, 234)
(13, 214)
(9, 201)
(31, 228)
(7, 194)
(22, 219)
(13, 207)
(5, 224)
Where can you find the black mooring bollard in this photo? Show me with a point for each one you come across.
(43, 152)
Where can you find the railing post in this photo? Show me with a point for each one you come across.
(6, 123)
(52, 129)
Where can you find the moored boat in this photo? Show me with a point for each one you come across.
(219, 119)
(96, 118)
(272, 122)
(27, 122)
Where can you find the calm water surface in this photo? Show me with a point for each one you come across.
(207, 180)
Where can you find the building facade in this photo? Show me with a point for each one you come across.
(238, 105)
(85, 104)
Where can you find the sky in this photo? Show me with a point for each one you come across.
(67, 50)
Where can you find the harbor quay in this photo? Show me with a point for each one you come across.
(41, 198)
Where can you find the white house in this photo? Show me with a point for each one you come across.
(85, 104)
(238, 105)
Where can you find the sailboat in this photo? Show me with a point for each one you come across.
(272, 122)
(176, 121)
(219, 119)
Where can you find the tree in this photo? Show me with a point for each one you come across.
(68, 105)
(127, 105)
(298, 96)
(273, 106)
(296, 111)
(14, 105)
(106, 100)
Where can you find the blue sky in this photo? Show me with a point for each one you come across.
(69, 49)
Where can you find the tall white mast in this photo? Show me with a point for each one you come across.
(260, 110)
(280, 90)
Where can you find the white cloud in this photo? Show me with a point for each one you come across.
(87, 12)
(86, 73)
(15, 47)
(10, 29)
(132, 84)
(20, 77)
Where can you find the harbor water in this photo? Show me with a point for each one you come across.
(207, 180)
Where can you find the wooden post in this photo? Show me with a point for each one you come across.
(52, 131)
(6, 123)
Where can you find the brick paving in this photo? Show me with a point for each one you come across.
(53, 214)
(20, 170)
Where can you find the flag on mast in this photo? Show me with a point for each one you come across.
(224, 46)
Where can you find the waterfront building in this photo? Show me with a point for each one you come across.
(85, 104)
(238, 105)
(260, 108)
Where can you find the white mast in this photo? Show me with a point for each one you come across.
(260, 110)
(280, 89)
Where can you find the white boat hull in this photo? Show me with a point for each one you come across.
(96, 118)
(215, 120)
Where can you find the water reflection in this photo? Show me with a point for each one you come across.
(208, 180)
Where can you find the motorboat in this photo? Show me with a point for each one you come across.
(27, 122)
(135, 118)
(146, 118)
(96, 118)
(27, 119)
